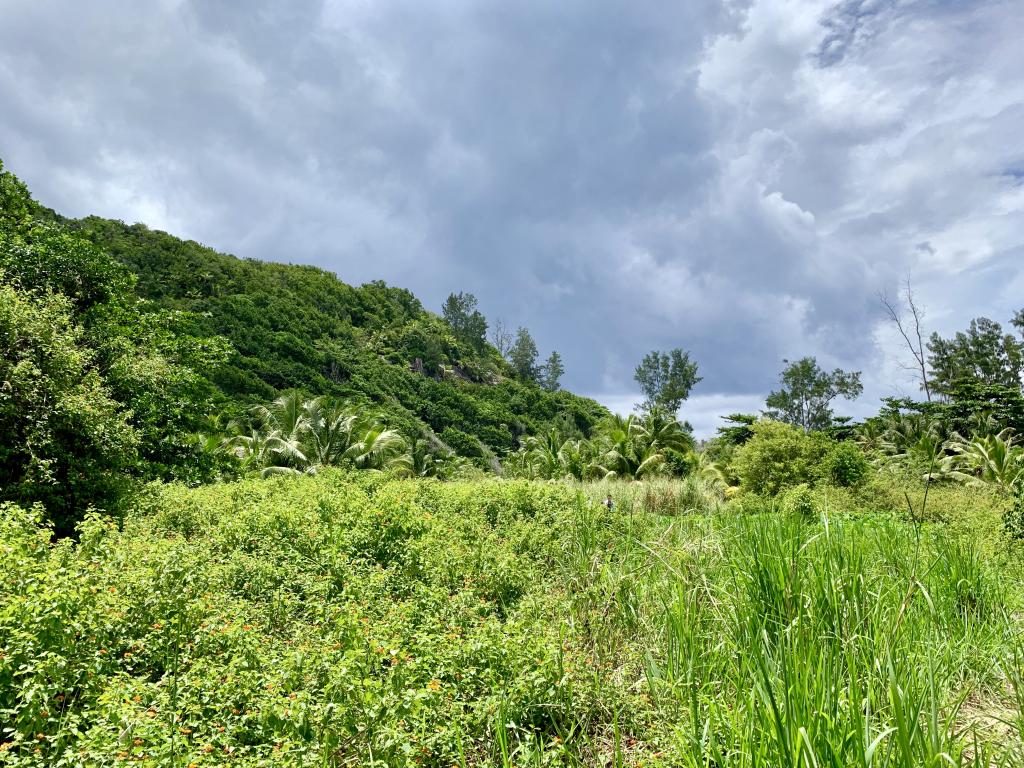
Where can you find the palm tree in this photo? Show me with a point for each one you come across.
(328, 432)
(871, 434)
(294, 435)
(987, 460)
(579, 460)
(711, 472)
(519, 464)
(618, 458)
(660, 430)
(544, 452)
(638, 447)
(427, 457)
(375, 446)
(272, 440)
(907, 439)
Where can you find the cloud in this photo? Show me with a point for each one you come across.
(739, 179)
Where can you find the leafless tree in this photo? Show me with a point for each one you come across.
(501, 337)
(911, 333)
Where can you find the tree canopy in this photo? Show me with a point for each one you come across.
(467, 323)
(523, 356)
(807, 392)
(551, 372)
(666, 380)
(983, 353)
(64, 440)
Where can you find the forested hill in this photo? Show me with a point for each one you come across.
(301, 327)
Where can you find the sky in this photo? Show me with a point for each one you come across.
(740, 179)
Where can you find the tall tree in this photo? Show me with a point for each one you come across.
(523, 356)
(501, 338)
(913, 337)
(983, 353)
(64, 441)
(807, 393)
(666, 380)
(466, 321)
(551, 372)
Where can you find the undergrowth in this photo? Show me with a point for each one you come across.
(356, 620)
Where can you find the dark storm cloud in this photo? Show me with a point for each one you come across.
(736, 178)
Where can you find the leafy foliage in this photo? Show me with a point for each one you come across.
(779, 456)
(551, 372)
(295, 435)
(738, 429)
(844, 464)
(466, 321)
(631, 447)
(66, 442)
(350, 618)
(1013, 519)
(523, 356)
(287, 620)
(986, 460)
(146, 365)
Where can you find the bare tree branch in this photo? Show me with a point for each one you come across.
(912, 335)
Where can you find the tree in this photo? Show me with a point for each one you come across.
(501, 337)
(912, 335)
(523, 356)
(639, 446)
(466, 321)
(807, 392)
(295, 435)
(551, 372)
(739, 428)
(64, 441)
(983, 353)
(666, 380)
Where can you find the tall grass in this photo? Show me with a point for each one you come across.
(774, 640)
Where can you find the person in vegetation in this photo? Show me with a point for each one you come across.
(608, 503)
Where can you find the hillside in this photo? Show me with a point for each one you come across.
(294, 326)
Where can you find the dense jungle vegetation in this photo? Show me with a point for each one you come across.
(251, 515)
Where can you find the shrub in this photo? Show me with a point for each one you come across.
(335, 612)
(778, 456)
(799, 500)
(461, 443)
(845, 465)
(1013, 518)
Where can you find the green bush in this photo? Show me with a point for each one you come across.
(778, 456)
(292, 619)
(461, 443)
(844, 464)
(1013, 518)
(353, 619)
(800, 501)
